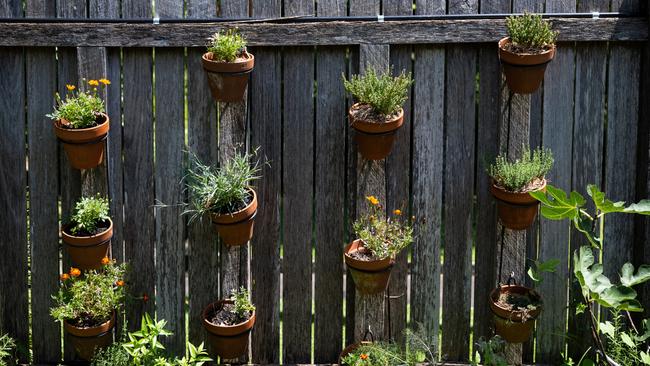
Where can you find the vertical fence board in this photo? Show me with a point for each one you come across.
(266, 132)
(642, 225)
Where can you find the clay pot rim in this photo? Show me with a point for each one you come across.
(377, 265)
(374, 127)
(521, 198)
(91, 331)
(57, 124)
(228, 67)
(226, 330)
(528, 59)
(514, 315)
(238, 216)
(75, 238)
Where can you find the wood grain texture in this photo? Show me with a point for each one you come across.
(234, 8)
(427, 162)
(365, 7)
(309, 34)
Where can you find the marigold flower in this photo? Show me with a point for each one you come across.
(119, 283)
(363, 356)
(70, 87)
(93, 82)
(105, 261)
(105, 81)
(373, 200)
(145, 298)
(75, 272)
(64, 277)
(397, 212)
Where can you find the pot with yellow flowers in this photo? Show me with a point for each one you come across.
(86, 306)
(81, 124)
(371, 257)
(227, 65)
(87, 236)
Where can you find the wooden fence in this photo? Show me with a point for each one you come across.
(592, 112)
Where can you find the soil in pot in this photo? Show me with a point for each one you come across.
(87, 249)
(87, 335)
(515, 310)
(236, 228)
(370, 275)
(228, 80)
(227, 332)
(374, 133)
(524, 68)
(84, 147)
(517, 210)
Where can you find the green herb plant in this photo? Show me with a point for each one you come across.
(598, 289)
(243, 305)
(418, 349)
(384, 93)
(519, 175)
(383, 236)
(91, 299)
(490, 352)
(529, 32)
(80, 109)
(7, 350)
(88, 213)
(227, 46)
(223, 190)
(113, 355)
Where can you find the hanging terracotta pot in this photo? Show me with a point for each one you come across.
(517, 210)
(86, 341)
(374, 139)
(237, 228)
(227, 341)
(370, 277)
(514, 324)
(228, 80)
(524, 71)
(84, 147)
(87, 251)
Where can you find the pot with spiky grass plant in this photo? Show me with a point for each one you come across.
(378, 113)
(87, 236)
(81, 124)
(524, 54)
(227, 65)
(225, 195)
(512, 181)
(86, 306)
(515, 309)
(370, 258)
(228, 323)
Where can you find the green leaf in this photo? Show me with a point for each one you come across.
(629, 278)
(645, 358)
(627, 340)
(603, 204)
(642, 207)
(608, 328)
(584, 225)
(580, 308)
(556, 205)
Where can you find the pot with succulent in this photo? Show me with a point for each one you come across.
(227, 65)
(524, 54)
(86, 306)
(228, 323)
(81, 124)
(370, 258)
(225, 195)
(512, 181)
(378, 113)
(87, 236)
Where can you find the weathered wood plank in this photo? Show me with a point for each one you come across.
(642, 254)
(309, 34)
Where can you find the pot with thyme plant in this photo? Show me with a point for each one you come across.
(87, 236)
(370, 258)
(225, 195)
(228, 323)
(81, 124)
(378, 112)
(512, 181)
(524, 54)
(227, 65)
(86, 306)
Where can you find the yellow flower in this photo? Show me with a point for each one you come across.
(363, 356)
(64, 277)
(105, 81)
(397, 212)
(119, 283)
(93, 82)
(75, 272)
(70, 87)
(106, 261)
(373, 200)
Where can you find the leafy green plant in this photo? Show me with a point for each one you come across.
(242, 302)
(521, 175)
(419, 348)
(90, 300)
(538, 268)
(227, 46)
(529, 32)
(80, 109)
(7, 350)
(490, 352)
(626, 347)
(223, 190)
(383, 92)
(88, 213)
(113, 355)
(382, 236)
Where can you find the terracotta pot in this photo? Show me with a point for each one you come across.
(351, 348)
(87, 340)
(237, 228)
(524, 72)
(228, 80)
(375, 140)
(370, 277)
(516, 210)
(87, 251)
(84, 146)
(508, 323)
(228, 342)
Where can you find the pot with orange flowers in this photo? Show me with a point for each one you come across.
(88, 234)
(371, 256)
(227, 65)
(86, 305)
(81, 124)
(228, 323)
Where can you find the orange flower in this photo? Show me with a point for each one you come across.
(64, 276)
(75, 272)
(105, 81)
(373, 200)
(119, 283)
(363, 356)
(70, 87)
(93, 82)
(397, 212)
(145, 298)
(105, 261)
